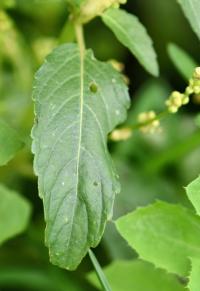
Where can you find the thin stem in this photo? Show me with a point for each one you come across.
(100, 274)
(80, 38)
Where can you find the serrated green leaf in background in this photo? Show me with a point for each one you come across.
(193, 193)
(14, 213)
(183, 62)
(10, 143)
(163, 234)
(78, 101)
(194, 279)
(138, 276)
(131, 33)
(191, 9)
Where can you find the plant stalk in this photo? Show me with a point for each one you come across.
(80, 38)
(100, 274)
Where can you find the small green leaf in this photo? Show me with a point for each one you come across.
(194, 279)
(191, 9)
(166, 235)
(77, 180)
(14, 213)
(184, 63)
(193, 193)
(10, 143)
(138, 276)
(132, 34)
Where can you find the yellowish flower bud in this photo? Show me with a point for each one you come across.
(185, 100)
(121, 134)
(151, 124)
(196, 74)
(196, 89)
(173, 109)
(146, 116)
(188, 90)
(116, 65)
(176, 100)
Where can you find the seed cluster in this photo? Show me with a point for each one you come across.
(177, 99)
(121, 134)
(149, 122)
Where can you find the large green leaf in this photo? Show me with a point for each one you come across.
(78, 101)
(194, 282)
(10, 143)
(138, 276)
(193, 193)
(184, 63)
(191, 9)
(166, 235)
(14, 214)
(131, 33)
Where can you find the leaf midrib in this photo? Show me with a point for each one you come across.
(82, 54)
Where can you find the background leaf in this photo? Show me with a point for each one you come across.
(191, 9)
(131, 33)
(78, 102)
(10, 143)
(184, 63)
(166, 235)
(137, 275)
(14, 214)
(193, 193)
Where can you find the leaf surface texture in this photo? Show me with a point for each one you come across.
(78, 101)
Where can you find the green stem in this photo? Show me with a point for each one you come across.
(80, 38)
(100, 274)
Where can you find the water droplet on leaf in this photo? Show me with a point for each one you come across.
(113, 81)
(117, 112)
